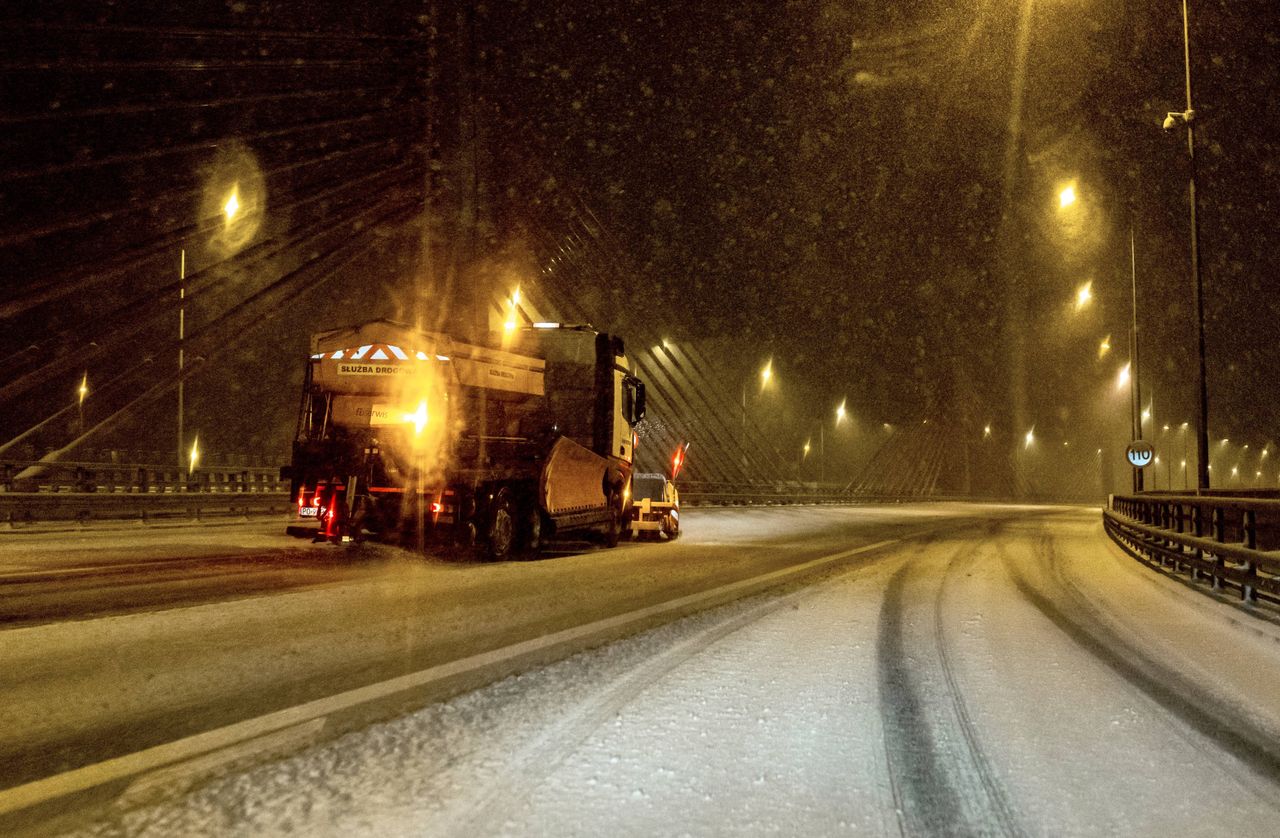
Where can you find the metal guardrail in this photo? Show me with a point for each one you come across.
(35, 477)
(35, 493)
(695, 493)
(19, 510)
(1231, 541)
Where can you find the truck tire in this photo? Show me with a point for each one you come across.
(613, 529)
(501, 532)
(531, 534)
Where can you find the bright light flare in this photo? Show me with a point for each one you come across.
(766, 374)
(193, 459)
(232, 206)
(986, 431)
(806, 448)
(1105, 346)
(83, 390)
(1030, 437)
(418, 418)
(1084, 295)
(1067, 196)
(841, 412)
(513, 311)
(1122, 380)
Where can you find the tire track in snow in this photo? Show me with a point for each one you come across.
(999, 812)
(490, 813)
(1250, 744)
(942, 782)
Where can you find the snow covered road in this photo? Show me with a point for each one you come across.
(1006, 674)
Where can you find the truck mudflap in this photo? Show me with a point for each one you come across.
(573, 480)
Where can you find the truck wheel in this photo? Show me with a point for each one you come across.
(613, 529)
(502, 527)
(531, 535)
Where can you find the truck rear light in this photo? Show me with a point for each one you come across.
(437, 507)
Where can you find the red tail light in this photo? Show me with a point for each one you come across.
(437, 508)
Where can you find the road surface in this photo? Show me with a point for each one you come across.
(913, 670)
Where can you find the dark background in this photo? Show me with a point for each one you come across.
(844, 187)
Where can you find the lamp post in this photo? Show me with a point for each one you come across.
(182, 336)
(766, 377)
(81, 393)
(1135, 377)
(230, 211)
(1187, 117)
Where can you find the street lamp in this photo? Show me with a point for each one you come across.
(1084, 294)
(230, 210)
(766, 378)
(81, 392)
(195, 455)
(1171, 120)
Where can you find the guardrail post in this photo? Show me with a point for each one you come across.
(1219, 563)
(1180, 525)
(1250, 526)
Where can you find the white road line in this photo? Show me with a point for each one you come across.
(218, 739)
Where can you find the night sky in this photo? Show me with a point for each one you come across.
(844, 187)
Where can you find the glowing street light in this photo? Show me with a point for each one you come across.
(806, 448)
(1030, 437)
(840, 411)
(83, 389)
(232, 205)
(766, 374)
(1105, 346)
(1067, 196)
(986, 432)
(194, 457)
(1084, 294)
(1122, 380)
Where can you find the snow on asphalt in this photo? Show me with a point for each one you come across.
(782, 715)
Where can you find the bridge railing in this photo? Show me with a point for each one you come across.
(698, 493)
(34, 493)
(1229, 541)
(33, 476)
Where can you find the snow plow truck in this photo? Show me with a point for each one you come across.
(408, 435)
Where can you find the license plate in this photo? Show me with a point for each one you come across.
(308, 511)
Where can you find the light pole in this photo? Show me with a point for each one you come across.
(766, 377)
(1135, 377)
(182, 336)
(1188, 118)
(230, 210)
(81, 393)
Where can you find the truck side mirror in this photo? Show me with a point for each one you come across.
(638, 408)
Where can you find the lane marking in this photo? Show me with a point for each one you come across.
(224, 738)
